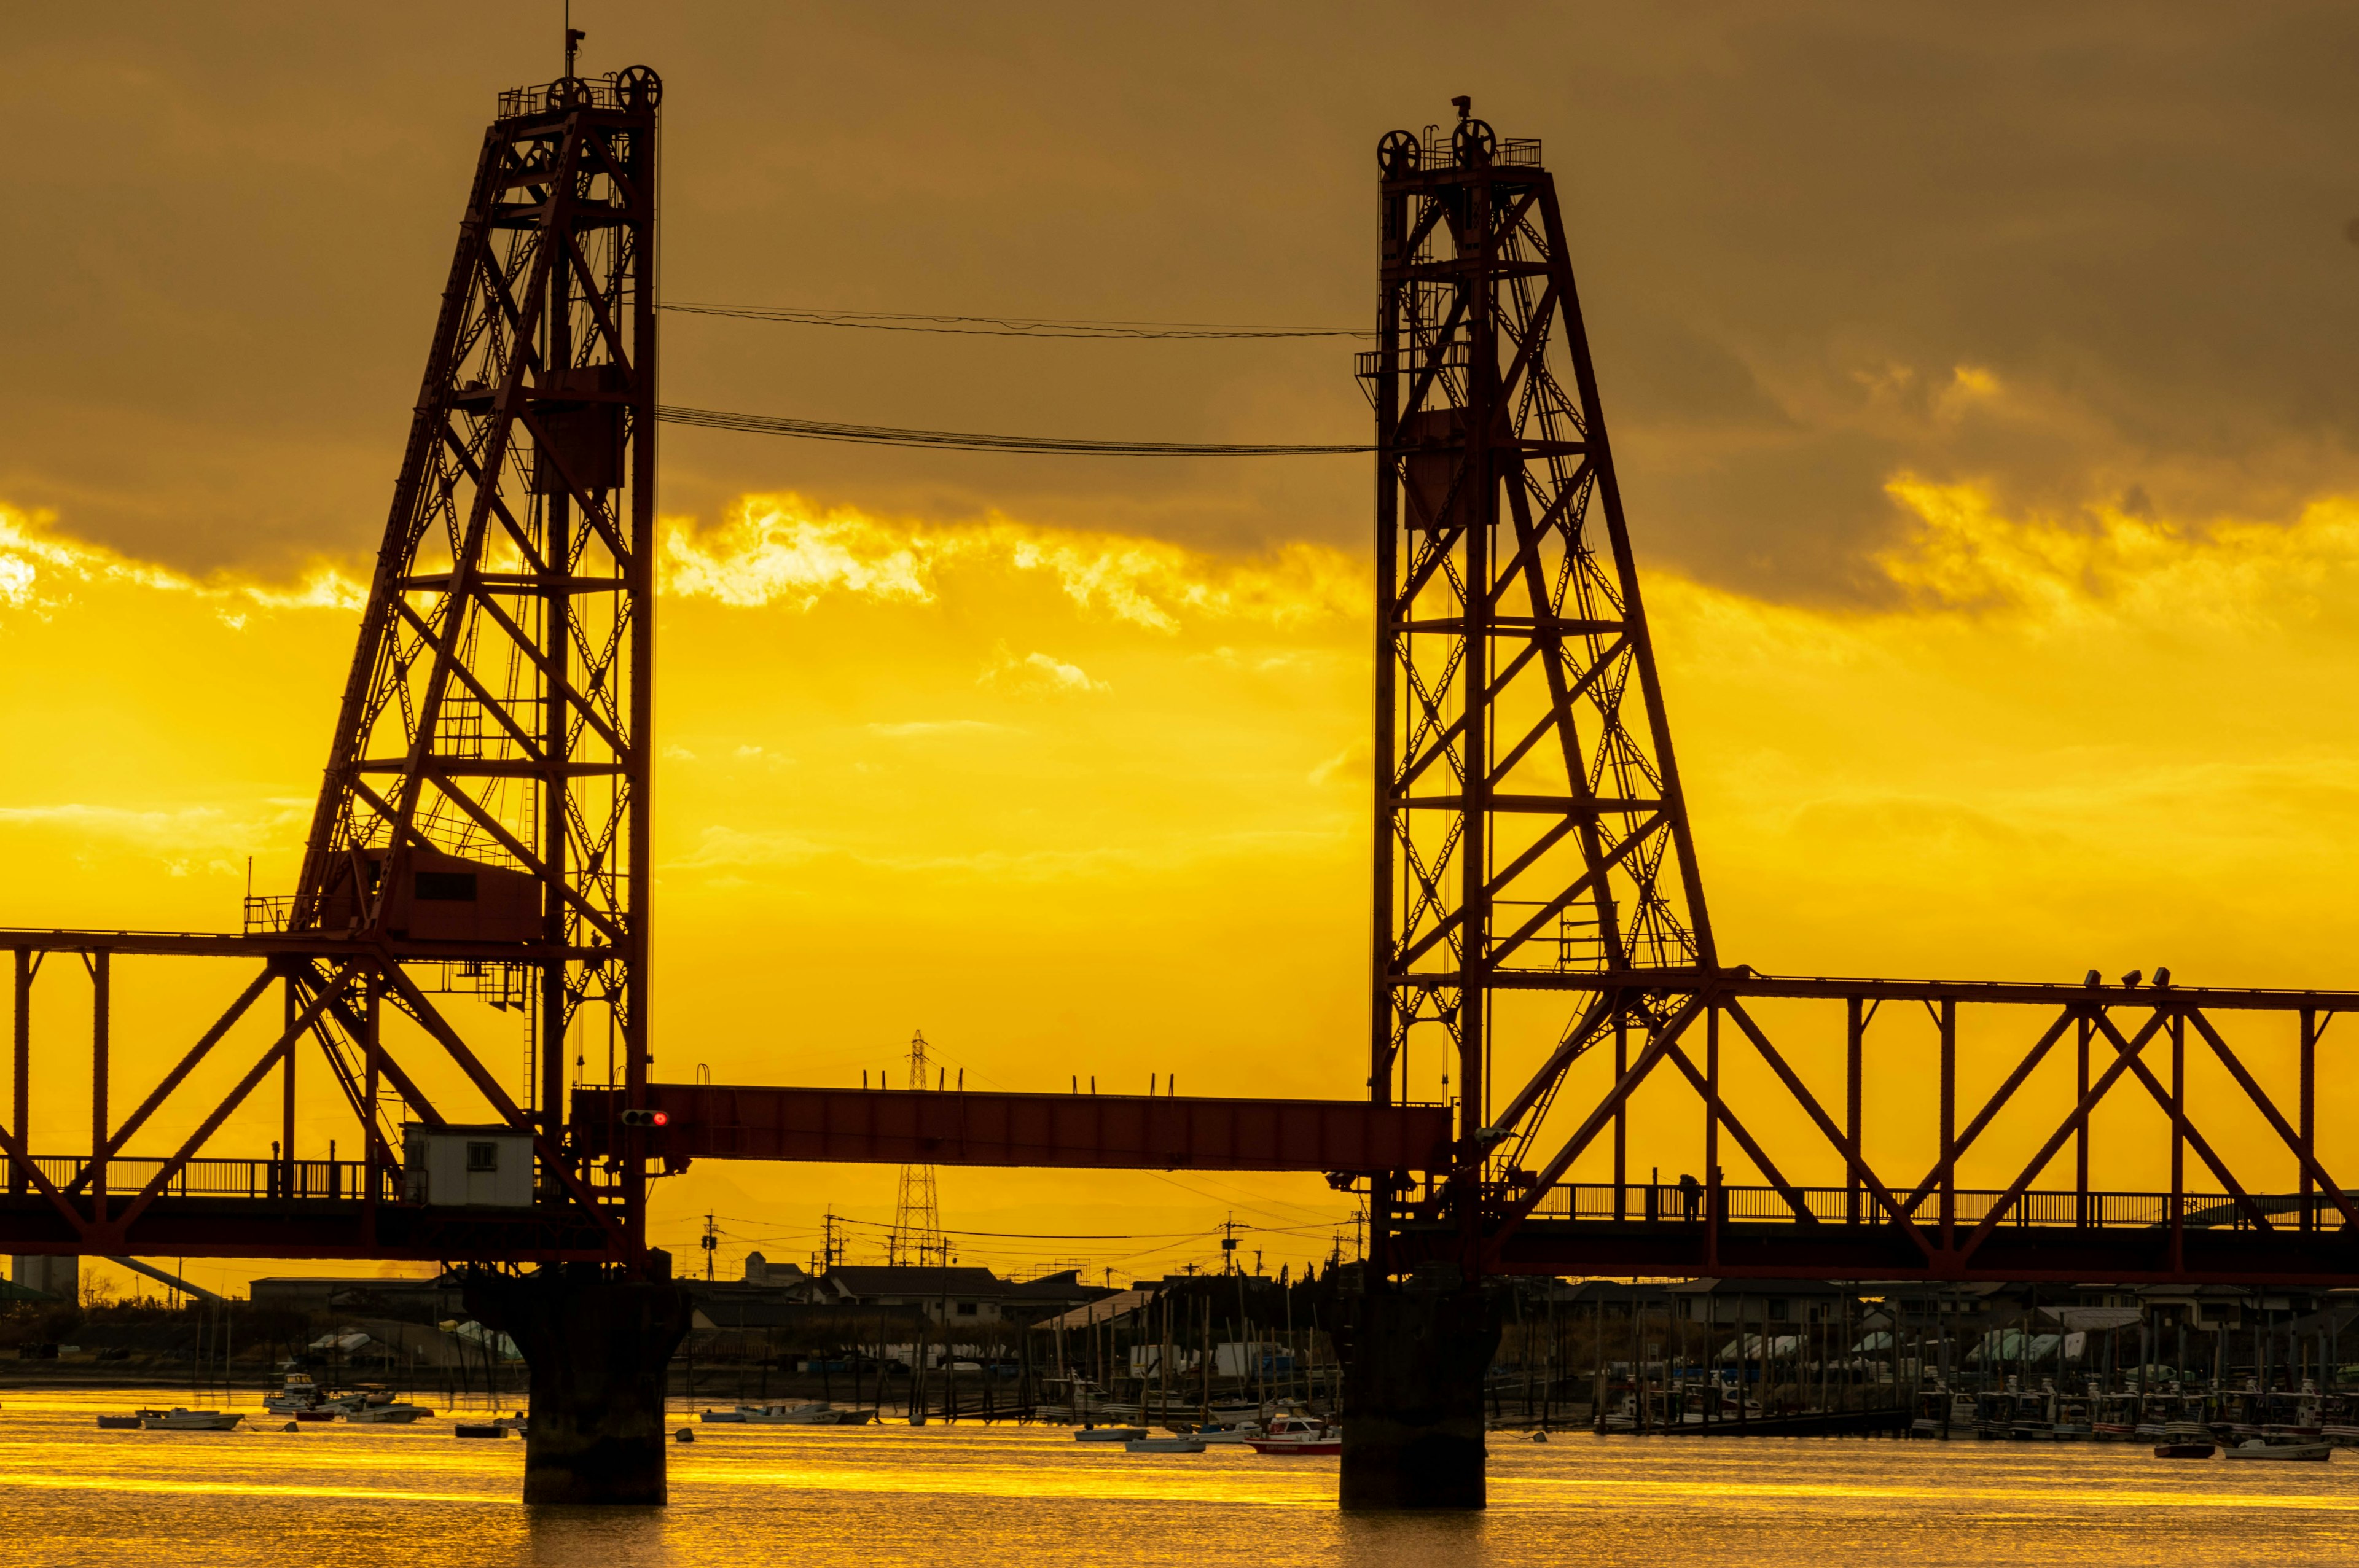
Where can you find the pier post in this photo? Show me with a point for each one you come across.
(1413, 1404)
(597, 1345)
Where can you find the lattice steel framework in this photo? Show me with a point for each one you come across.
(1529, 823)
(489, 771)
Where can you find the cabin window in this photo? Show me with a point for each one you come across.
(1777, 1309)
(483, 1157)
(966, 1308)
(447, 887)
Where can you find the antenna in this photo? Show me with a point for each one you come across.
(573, 36)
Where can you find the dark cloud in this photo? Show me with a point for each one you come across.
(1794, 224)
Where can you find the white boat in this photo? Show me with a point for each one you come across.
(2262, 1448)
(1109, 1434)
(730, 1417)
(300, 1394)
(1164, 1446)
(1296, 1434)
(390, 1414)
(179, 1419)
(811, 1412)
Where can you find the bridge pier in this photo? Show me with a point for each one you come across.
(1413, 1398)
(597, 1347)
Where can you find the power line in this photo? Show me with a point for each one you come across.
(968, 442)
(1009, 326)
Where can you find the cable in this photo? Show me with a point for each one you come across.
(1007, 326)
(958, 441)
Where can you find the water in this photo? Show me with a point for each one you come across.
(327, 1497)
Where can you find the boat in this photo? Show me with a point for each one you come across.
(179, 1419)
(518, 1422)
(390, 1414)
(2185, 1450)
(720, 1416)
(1294, 1434)
(852, 1418)
(300, 1394)
(1164, 1446)
(479, 1429)
(315, 1415)
(121, 1422)
(2262, 1448)
(1109, 1434)
(810, 1413)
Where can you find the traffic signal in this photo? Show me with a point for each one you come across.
(644, 1119)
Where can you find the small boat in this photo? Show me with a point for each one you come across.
(811, 1412)
(2185, 1450)
(1164, 1446)
(1109, 1434)
(300, 1394)
(729, 1416)
(479, 1429)
(179, 1419)
(1294, 1435)
(315, 1415)
(853, 1418)
(394, 1414)
(515, 1422)
(121, 1422)
(2262, 1448)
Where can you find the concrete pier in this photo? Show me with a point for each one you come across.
(1413, 1401)
(597, 1346)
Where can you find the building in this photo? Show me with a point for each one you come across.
(954, 1296)
(59, 1279)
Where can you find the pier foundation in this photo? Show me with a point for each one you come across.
(1413, 1401)
(597, 1347)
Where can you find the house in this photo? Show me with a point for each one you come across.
(952, 1296)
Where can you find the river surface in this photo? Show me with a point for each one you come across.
(325, 1496)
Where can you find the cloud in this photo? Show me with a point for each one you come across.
(783, 550)
(40, 567)
(920, 727)
(1037, 675)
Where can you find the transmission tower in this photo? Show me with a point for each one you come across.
(1531, 837)
(484, 818)
(917, 1234)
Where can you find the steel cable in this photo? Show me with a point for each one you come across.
(1008, 326)
(969, 441)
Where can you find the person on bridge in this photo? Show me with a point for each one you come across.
(1691, 1195)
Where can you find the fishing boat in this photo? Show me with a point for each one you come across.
(2185, 1450)
(393, 1413)
(2262, 1448)
(1109, 1433)
(179, 1419)
(300, 1394)
(1294, 1435)
(490, 1429)
(810, 1413)
(315, 1415)
(121, 1423)
(714, 1418)
(1164, 1446)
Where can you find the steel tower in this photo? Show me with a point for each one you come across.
(1530, 832)
(487, 782)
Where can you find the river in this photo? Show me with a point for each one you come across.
(326, 1497)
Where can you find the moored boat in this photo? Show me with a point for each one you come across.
(1294, 1435)
(121, 1422)
(179, 1419)
(390, 1414)
(810, 1413)
(2262, 1448)
(1109, 1433)
(2185, 1450)
(490, 1429)
(1164, 1446)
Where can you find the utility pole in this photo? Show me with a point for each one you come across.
(712, 1240)
(1229, 1244)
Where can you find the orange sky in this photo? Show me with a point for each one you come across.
(1981, 395)
(1094, 804)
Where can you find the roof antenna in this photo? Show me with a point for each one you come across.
(1463, 105)
(573, 36)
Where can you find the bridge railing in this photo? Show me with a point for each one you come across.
(1666, 1204)
(275, 1180)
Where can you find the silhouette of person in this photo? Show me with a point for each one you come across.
(1691, 1195)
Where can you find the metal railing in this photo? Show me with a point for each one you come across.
(273, 1180)
(1664, 1203)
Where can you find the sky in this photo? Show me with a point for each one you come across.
(1978, 380)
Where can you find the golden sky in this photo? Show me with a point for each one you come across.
(1981, 395)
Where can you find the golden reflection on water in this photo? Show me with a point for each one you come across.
(878, 1496)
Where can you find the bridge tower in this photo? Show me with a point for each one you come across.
(1536, 882)
(487, 781)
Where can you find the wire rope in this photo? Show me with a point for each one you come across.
(1007, 326)
(969, 441)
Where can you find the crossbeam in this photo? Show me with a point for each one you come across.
(716, 1122)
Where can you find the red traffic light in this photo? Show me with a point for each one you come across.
(661, 1118)
(637, 1118)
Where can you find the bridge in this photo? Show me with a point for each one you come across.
(483, 833)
